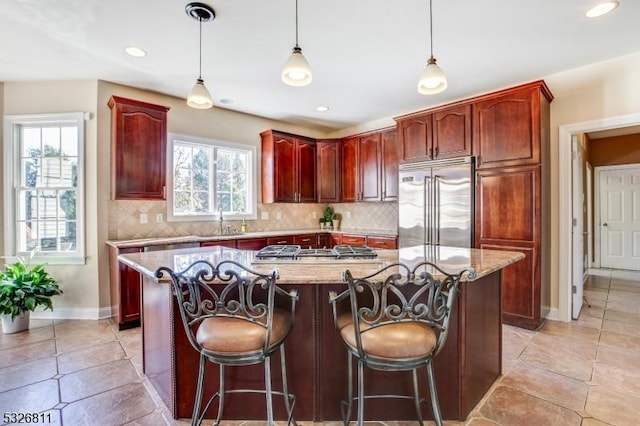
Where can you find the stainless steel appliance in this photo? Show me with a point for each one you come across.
(435, 203)
(295, 252)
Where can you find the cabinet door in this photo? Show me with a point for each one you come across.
(306, 170)
(349, 176)
(138, 144)
(130, 280)
(369, 168)
(324, 241)
(452, 132)
(285, 171)
(506, 129)
(416, 138)
(336, 239)
(389, 170)
(328, 177)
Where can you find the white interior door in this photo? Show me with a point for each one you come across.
(577, 229)
(619, 225)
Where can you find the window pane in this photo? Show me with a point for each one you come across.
(181, 201)
(69, 141)
(201, 202)
(67, 205)
(51, 141)
(30, 141)
(224, 202)
(29, 172)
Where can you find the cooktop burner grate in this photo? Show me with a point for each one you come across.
(294, 252)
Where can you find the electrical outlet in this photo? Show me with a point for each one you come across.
(348, 215)
(159, 218)
(143, 218)
(264, 215)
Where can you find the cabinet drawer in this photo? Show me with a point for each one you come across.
(355, 240)
(251, 243)
(382, 242)
(306, 240)
(223, 243)
(283, 239)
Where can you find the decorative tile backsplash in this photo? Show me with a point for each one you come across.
(124, 219)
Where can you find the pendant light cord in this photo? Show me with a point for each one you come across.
(297, 23)
(430, 26)
(200, 62)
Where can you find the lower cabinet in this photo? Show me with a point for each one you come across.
(354, 240)
(251, 243)
(219, 243)
(306, 240)
(279, 240)
(382, 242)
(125, 289)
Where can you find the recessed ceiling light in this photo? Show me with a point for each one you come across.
(602, 9)
(226, 101)
(322, 108)
(135, 51)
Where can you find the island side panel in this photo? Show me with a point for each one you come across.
(157, 339)
(481, 355)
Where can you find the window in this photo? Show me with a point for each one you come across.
(44, 175)
(209, 176)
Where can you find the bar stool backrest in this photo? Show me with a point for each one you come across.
(398, 293)
(228, 289)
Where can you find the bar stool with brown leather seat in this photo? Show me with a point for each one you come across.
(398, 321)
(230, 317)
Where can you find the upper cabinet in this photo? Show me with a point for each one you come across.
(506, 127)
(389, 171)
(288, 168)
(437, 134)
(138, 149)
(328, 165)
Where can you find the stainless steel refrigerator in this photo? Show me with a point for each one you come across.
(435, 203)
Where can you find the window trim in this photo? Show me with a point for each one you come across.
(11, 180)
(253, 179)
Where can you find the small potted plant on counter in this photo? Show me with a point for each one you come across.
(22, 289)
(328, 215)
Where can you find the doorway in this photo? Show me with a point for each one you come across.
(618, 216)
(565, 206)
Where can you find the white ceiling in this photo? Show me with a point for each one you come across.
(366, 55)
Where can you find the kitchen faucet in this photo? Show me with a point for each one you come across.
(220, 224)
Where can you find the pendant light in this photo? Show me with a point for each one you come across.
(199, 96)
(296, 71)
(432, 80)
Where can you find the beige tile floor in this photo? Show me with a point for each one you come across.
(582, 373)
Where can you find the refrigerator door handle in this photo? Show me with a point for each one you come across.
(436, 204)
(428, 211)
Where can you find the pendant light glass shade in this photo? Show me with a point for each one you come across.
(296, 71)
(199, 96)
(432, 80)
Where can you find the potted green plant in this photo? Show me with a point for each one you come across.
(22, 289)
(328, 215)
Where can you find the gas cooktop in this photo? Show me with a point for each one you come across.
(295, 252)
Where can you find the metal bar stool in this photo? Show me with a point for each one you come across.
(398, 321)
(230, 318)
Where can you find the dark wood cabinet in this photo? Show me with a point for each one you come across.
(251, 243)
(369, 164)
(279, 240)
(336, 239)
(288, 168)
(440, 133)
(415, 134)
(325, 241)
(511, 141)
(349, 176)
(382, 242)
(354, 240)
(125, 289)
(220, 243)
(138, 149)
(506, 128)
(390, 159)
(328, 169)
(452, 132)
(306, 240)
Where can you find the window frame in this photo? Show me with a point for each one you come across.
(12, 176)
(252, 198)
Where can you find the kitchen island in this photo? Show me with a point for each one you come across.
(316, 359)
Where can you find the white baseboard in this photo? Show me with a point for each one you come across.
(554, 314)
(73, 313)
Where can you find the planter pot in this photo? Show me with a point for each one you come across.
(336, 224)
(18, 324)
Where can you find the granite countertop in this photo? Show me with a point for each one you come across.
(141, 242)
(450, 259)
